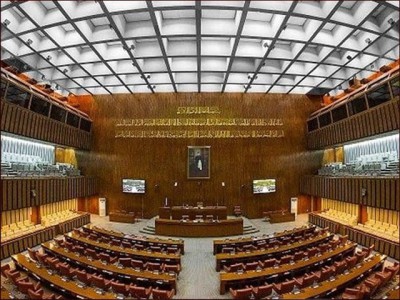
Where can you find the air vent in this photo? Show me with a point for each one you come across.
(18, 65)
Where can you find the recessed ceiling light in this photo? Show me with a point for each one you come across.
(349, 57)
(29, 42)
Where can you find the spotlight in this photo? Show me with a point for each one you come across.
(6, 22)
(368, 40)
(349, 57)
(29, 42)
(65, 71)
(391, 21)
(151, 86)
(48, 57)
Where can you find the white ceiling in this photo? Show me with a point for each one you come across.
(100, 47)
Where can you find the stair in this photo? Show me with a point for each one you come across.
(249, 229)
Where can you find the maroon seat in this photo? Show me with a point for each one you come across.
(163, 294)
(70, 246)
(66, 270)
(41, 258)
(126, 244)
(84, 277)
(343, 239)
(286, 259)
(115, 242)
(138, 292)
(384, 277)
(251, 266)
(248, 247)
(262, 291)
(139, 246)
(151, 266)
(4, 268)
(105, 257)
(340, 267)
(76, 231)
(155, 248)
(394, 269)
(176, 268)
(93, 237)
(360, 256)
(80, 249)
(125, 262)
(91, 253)
(104, 239)
(323, 248)
(325, 274)
(14, 276)
(52, 263)
(100, 282)
(268, 263)
(234, 267)
(351, 262)
(245, 293)
(311, 252)
(39, 294)
(284, 287)
(120, 288)
(358, 293)
(173, 250)
(228, 250)
(298, 255)
(138, 264)
(334, 243)
(373, 284)
(24, 286)
(306, 280)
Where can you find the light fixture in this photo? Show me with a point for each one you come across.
(133, 47)
(176, 183)
(368, 40)
(265, 43)
(391, 21)
(339, 87)
(57, 87)
(145, 76)
(222, 183)
(6, 22)
(29, 42)
(43, 77)
(349, 57)
(65, 71)
(48, 57)
(372, 66)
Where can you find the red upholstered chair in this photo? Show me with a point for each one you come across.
(340, 267)
(237, 211)
(93, 237)
(41, 258)
(138, 292)
(126, 244)
(358, 293)
(284, 287)
(298, 255)
(228, 250)
(173, 250)
(32, 254)
(24, 286)
(241, 293)
(105, 257)
(360, 256)
(100, 282)
(76, 231)
(262, 291)
(91, 253)
(373, 283)
(251, 266)
(306, 280)
(83, 277)
(385, 277)
(351, 262)
(234, 267)
(39, 294)
(323, 248)
(138, 246)
(268, 263)
(115, 242)
(334, 243)
(59, 242)
(66, 271)
(394, 269)
(14, 276)
(176, 268)
(120, 288)
(151, 266)
(69, 246)
(163, 294)
(248, 247)
(138, 264)
(80, 249)
(325, 274)
(286, 259)
(343, 239)
(155, 248)
(125, 262)
(5, 268)
(104, 239)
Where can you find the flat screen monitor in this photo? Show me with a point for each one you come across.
(262, 186)
(133, 186)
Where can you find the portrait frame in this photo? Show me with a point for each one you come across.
(198, 162)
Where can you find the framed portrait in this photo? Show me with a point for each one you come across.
(198, 162)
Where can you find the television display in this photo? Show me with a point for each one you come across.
(134, 186)
(262, 186)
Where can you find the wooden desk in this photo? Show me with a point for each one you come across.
(199, 229)
(148, 256)
(393, 294)
(219, 244)
(232, 277)
(122, 217)
(68, 287)
(280, 218)
(148, 241)
(341, 280)
(259, 254)
(219, 212)
(109, 269)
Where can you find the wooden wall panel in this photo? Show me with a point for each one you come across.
(17, 191)
(380, 192)
(235, 161)
(381, 119)
(20, 121)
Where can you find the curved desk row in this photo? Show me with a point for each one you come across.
(199, 229)
(176, 212)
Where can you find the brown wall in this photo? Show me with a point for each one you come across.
(235, 161)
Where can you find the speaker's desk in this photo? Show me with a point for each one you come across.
(176, 212)
(199, 229)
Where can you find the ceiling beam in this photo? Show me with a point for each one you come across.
(198, 44)
(160, 42)
(125, 45)
(236, 43)
(271, 46)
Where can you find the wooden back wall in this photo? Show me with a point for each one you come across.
(235, 161)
